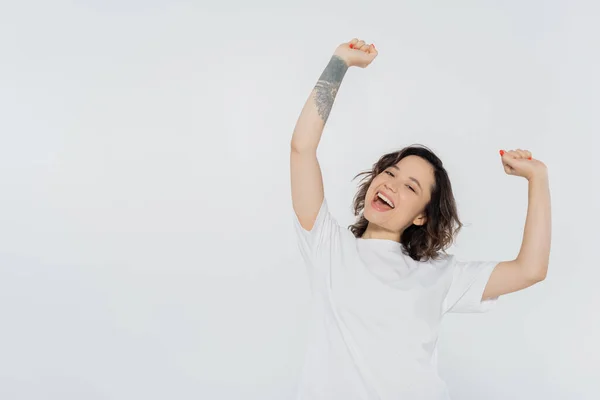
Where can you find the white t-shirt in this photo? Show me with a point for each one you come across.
(376, 314)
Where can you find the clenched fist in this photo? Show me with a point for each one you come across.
(356, 53)
(520, 163)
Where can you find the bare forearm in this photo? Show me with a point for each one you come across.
(314, 115)
(535, 249)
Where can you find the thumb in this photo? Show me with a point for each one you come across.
(513, 165)
(508, 162)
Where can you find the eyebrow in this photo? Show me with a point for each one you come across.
(410, 177)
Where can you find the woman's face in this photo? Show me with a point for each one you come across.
(407, 185)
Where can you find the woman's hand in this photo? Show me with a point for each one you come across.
(520, 163)
(356, 53)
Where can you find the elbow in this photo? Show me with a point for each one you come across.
(296, 147)
(543, 275)
(539, 274)
(533, 271)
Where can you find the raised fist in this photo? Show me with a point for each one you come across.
(356, 53)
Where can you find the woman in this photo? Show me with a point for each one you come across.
(381, 288)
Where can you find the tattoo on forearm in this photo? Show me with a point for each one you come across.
(327, 87)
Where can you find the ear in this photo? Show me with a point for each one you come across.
(420, 220)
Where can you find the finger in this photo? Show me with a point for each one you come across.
(525, 154)
(507, 157)
(506, 154)
(359, 44)
(353, 42)
(514, 154)
(506, 165)
(372, 50)
(366, 48)
(503, 157)
(522, 153)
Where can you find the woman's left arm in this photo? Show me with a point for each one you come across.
(531, 264)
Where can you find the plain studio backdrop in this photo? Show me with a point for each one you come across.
(147, 248)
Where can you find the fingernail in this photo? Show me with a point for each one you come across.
(530, 158)
(501, 152)
(351, 46)
(373, 45)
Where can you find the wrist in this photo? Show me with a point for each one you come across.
(342, 58)
(538, 178)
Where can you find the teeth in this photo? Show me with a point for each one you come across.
(388, 201)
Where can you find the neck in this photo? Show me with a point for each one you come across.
(376, 232)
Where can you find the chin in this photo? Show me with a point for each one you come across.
(368, 213)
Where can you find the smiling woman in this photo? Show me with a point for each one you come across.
(423, 218)
(382, 286)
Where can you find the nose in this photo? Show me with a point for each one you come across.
(390, 187)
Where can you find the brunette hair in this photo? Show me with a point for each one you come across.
(426, 241)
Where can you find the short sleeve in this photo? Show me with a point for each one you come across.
(468, 283)
(319, 238)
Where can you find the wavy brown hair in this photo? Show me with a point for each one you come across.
(426, 241)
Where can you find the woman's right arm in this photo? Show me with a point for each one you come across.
(314, 115)
(306, 178)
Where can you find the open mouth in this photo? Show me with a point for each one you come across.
(382, 203)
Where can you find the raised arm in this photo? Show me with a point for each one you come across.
(306, 178)
(531, 264)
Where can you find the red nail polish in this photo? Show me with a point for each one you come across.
(351, 46)
(372, 44)
(530, 158)
(501, 152)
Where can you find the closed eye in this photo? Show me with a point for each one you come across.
(410, 187)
